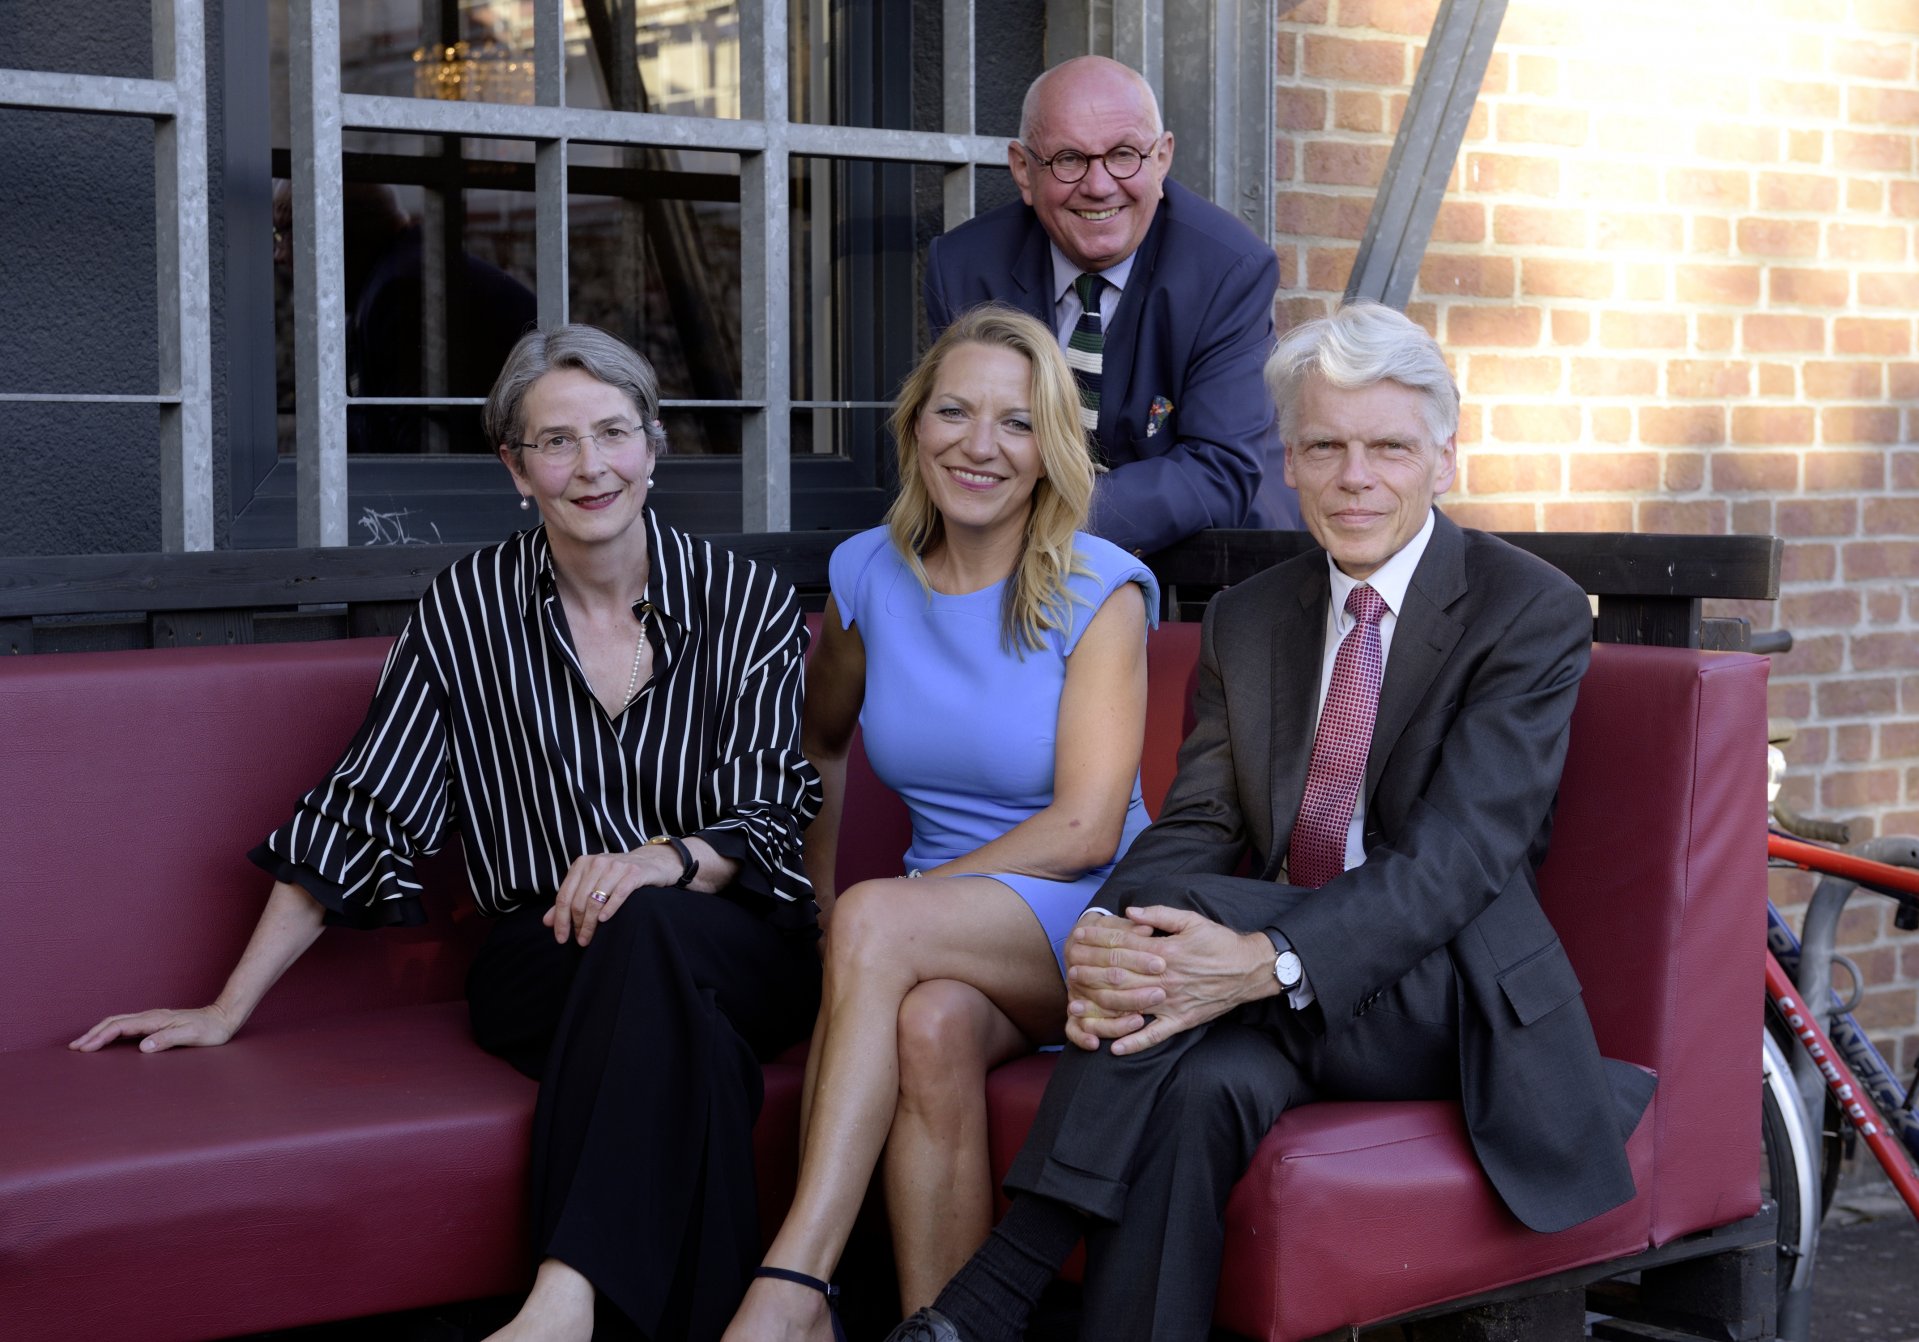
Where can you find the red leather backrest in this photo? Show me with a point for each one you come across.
(1656, 882)
(132, 785)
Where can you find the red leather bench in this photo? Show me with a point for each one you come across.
(353, 1153)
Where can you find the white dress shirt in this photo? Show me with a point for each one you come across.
(1066, 305)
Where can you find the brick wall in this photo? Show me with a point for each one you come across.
(1676, 273)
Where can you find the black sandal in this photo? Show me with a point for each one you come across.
(825, 1288)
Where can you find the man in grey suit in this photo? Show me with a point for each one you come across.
(1380, 730)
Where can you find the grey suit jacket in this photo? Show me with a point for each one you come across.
(1464, 766)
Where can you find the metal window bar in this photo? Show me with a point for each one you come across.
(765, 137)
(175, 100)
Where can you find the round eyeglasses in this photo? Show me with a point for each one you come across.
(1070, 165)
(565, 446)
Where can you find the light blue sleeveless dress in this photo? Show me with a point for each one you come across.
(963, 730)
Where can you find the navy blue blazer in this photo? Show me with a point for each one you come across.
(1185, 421)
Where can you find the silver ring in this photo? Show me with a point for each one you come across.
(598, 896)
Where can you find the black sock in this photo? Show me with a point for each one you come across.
(992, 1297)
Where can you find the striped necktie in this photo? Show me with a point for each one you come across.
(1340, 747)
(1085, 349)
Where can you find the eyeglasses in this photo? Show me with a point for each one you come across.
(565, 446)
(1069, 165)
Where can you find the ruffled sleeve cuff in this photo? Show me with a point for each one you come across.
(404, 910)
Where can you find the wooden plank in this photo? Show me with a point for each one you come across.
(200, 628)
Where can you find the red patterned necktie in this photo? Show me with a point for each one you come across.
(1340, 747)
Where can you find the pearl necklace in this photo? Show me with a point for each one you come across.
(639, 647)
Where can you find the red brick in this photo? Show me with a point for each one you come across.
(1905, 199)
(1705, 90)
(1859, 424)
(1778, 379)
(1865, 560)
(1426, 317)
(1642, 330)
(1885, 607)
(1460, 221)
(1713, 188)
(1614, 377)
(1798, 100)
(1817, 657)
(1329, 267)
(1893, 517)
(1871, 153)
(1895, 290)
(1755, 472)
(1293, 311)
(1868, 105)
(1904, 379)
(1711, 234)
(1885, 1009)
(1750, 517)
(1571, 328)
(1350, 61)
(1534, 123)
(1452, 274)
(1491, 374)
(1358, 110)
(1834, 468)
(1512, 175)
(1899, 740)
(1778, 237)
(1893, 16)
(1817, 517)
(1642, 230)
(1536, 423)
(1774, 331)
(1806, 146)
(1865, 242)
(1834, 608)
(1589, 515)
(1885, 652)
(1682, 426)
(1408, 18)
(1842, 381)
(1870, 60)
(1536, 226)
(1493, 326)
(1813, 288)
(1772, 424)
(1493, 516)
(1737, 142)
(1708, 377)
(1686, 471)
(1618, 132)
(1284, 153)
(1905, 470)
(1610, 182)
(1558, 278)
(1601, 472)
(1288, 257)
(1730, 285)
(1855, 699)
(1514, 472)
(1700, 517)
(1611, 423)
(1342, 163)
(1853, 789)
(1871, 335)
(1711, 333)
(1536, 76)
(1298, 109)
(1315, 214)
(1798, 192)
(1864, 195)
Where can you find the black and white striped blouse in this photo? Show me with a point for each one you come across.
(484, 718)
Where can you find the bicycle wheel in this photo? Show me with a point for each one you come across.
(1788, 1170)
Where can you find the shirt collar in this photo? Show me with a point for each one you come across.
(1065, 272)
(1390, 579)
(660, 595)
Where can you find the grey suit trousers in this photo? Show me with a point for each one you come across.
(1149, 1145)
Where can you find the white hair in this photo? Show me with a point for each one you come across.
(1358, 345)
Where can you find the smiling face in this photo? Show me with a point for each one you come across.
(978, 456)
(596, 496)
(1366, 468)
(1092, 105)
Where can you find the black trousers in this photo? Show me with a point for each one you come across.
(647, 1046)
(1149, 1145)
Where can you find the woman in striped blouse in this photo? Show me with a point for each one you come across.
(609, 710)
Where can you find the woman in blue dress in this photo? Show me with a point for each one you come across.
(995, 658)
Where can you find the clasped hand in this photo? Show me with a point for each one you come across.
(576, 914)
(1132, 987)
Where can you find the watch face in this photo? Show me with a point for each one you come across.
(1287, 969)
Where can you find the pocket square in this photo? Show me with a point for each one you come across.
(1162, 410)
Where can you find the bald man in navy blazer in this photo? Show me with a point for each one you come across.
(1187, 306)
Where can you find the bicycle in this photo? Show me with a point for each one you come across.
(1841, 1076)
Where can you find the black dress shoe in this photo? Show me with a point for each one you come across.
(925, 1325)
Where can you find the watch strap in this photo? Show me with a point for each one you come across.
(689, 865)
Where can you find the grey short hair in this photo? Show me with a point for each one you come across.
(1358, 345)
(1029, 107)
(586, 348)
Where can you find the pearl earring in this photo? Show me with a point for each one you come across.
(649, 482)
(525, 503)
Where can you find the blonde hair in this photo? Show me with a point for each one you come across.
(1037, 598)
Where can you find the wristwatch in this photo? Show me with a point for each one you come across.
(1288, 970)
(690, 865)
